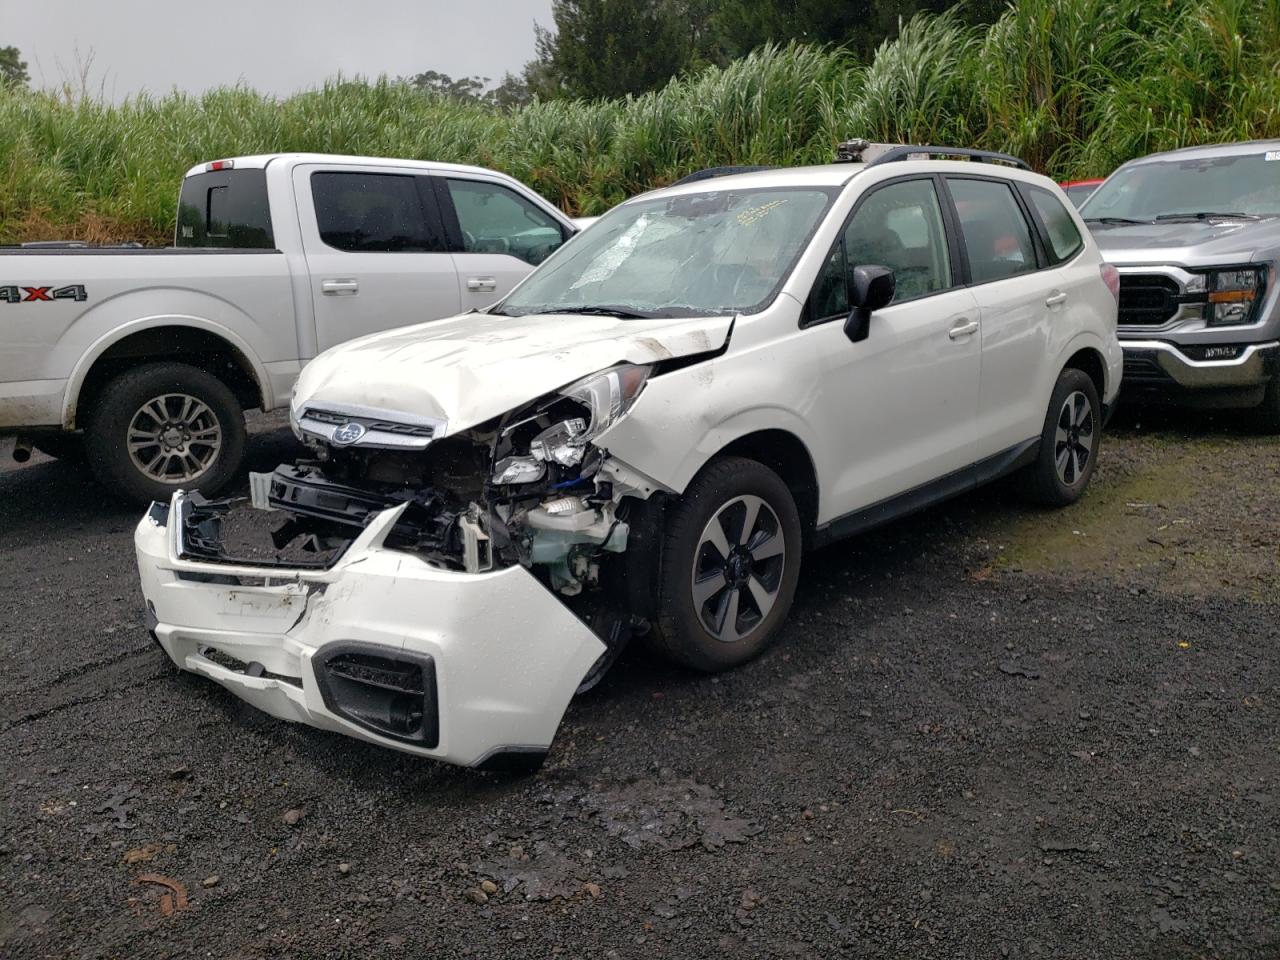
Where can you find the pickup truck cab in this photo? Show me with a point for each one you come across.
(642, 438)
(1195, 234)
(143, 360)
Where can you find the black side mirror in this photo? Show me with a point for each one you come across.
(871, 289)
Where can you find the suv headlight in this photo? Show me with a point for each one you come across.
(1233, 296)
(604, 398)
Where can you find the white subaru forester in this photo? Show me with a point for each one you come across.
(643, 439)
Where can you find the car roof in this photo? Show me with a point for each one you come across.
(1242, 148)
(261, 160)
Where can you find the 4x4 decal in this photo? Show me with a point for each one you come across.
(15, 294)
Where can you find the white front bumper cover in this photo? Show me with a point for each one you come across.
(504, 654)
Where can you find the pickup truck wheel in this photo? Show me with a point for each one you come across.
(730, 564)
(164, 427)
(1069, 444)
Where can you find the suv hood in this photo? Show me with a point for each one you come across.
(473, 367)
(1188, 242)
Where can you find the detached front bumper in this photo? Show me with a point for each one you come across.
(1155, 363)
(474, 669)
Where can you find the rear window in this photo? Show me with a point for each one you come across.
(1064, 239)
(225, 208)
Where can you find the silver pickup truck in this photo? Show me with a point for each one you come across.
(1195, 234)
(142, 361)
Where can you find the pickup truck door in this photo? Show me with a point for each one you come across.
(498, 235)
(375, 249)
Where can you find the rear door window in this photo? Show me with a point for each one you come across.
(376, 212)
(226, 209)
(1060, 231)
(996, 235)
(495, 219)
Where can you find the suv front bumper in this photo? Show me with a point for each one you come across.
(497, 655)
(1159, 363)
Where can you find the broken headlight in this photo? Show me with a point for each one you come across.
(605, 398)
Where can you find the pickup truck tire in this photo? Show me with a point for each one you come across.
(1069, 444)
(67, 447)
(195, 422)
(729, 568)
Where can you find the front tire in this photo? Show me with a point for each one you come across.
(1069, 443)
(163, 427)
(730, 565)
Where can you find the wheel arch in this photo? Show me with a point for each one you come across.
(786, 455)
(194, 340)
(1089, 361)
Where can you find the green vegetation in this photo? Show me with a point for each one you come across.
(1074, 86)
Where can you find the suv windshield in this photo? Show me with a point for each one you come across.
(1227, 185)
(696, 254)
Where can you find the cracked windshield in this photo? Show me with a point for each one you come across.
(700, 254)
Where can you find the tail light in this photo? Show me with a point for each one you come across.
(1111, 277)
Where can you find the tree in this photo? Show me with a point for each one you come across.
(609, 48)
(13, 69)
(463, 88)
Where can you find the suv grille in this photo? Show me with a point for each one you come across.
(375, 426)
(1147, 299)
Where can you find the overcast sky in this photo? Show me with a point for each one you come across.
(276, 46)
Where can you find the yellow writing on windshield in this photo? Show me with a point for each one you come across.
(753, 214)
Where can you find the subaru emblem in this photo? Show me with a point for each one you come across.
(348, 433)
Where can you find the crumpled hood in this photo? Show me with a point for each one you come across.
(1191, 243)
(473, 367)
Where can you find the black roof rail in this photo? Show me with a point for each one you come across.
(910, 152)
(710, 172)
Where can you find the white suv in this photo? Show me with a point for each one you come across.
(643, 438)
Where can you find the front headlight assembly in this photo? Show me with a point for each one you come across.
(1231, 297)
(604, 397)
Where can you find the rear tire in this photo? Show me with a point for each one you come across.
(163, 427)
(730, 565)
(1069, 443)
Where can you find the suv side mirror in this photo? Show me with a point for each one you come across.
(871, 289)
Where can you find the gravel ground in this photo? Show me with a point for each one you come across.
(987, 732)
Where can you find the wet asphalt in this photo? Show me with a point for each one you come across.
(986, 732)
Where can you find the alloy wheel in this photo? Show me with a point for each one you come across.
(1073, 438)
(174, 438)
(737, 568)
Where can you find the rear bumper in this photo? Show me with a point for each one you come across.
(1158, 363)
(499, 655)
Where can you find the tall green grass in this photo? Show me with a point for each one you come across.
(1073, 86)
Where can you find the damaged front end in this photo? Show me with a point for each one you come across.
(376, 585)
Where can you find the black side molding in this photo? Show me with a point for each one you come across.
(926, 495)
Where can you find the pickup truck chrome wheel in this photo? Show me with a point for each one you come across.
(174, 438)
(1073, 439)
(737, 571)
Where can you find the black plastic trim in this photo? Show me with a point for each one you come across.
(429, 734)
(926, 495)
(909, 152)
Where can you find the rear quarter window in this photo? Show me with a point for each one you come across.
(226, 209)
(1064, 239)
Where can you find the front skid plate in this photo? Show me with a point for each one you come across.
(508, 654)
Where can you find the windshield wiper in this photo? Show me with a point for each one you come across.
(1208, 215)
(1116, 220)
(603, 310)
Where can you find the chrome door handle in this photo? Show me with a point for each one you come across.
(1056, 299)
(334, 288)
(963, 330)
(481, 283)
